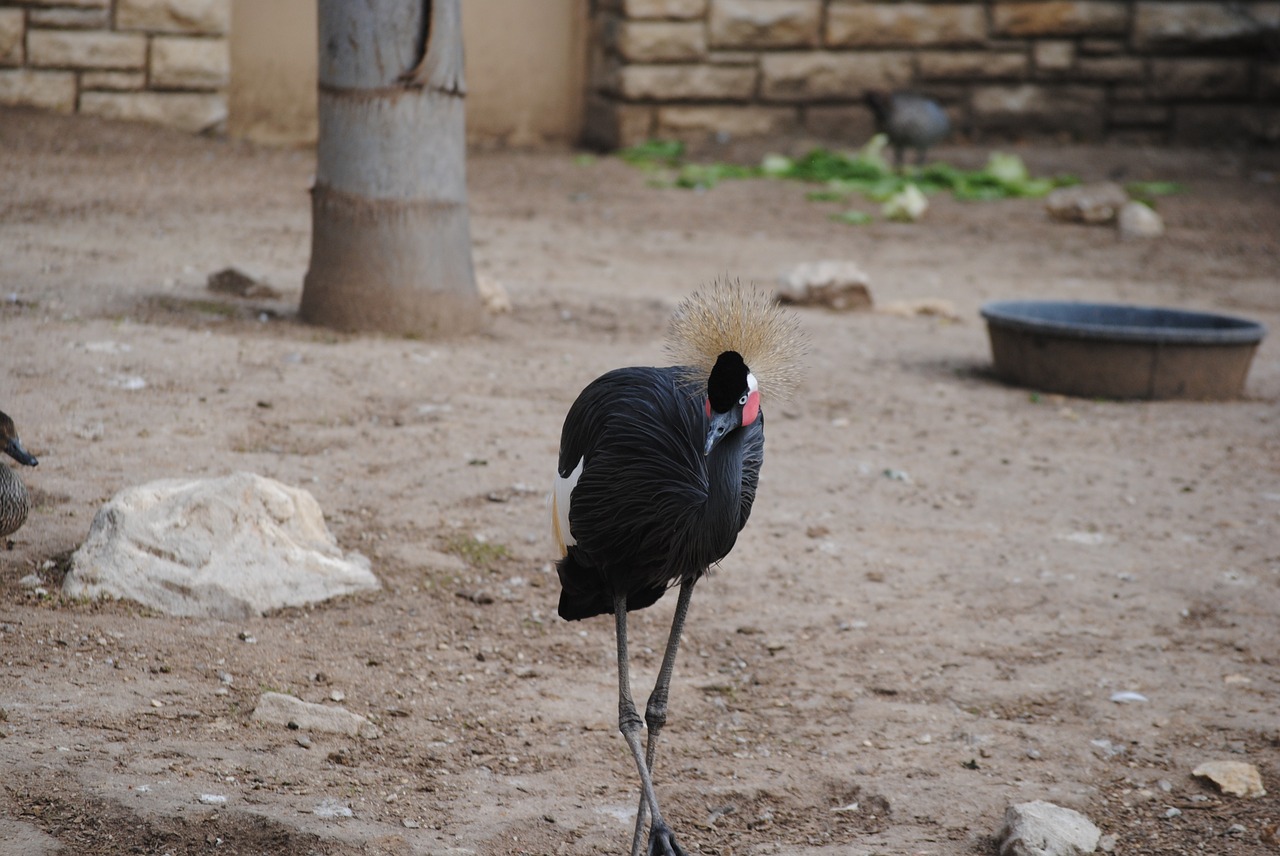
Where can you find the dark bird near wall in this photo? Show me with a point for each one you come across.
(14, 503)
(910, 121)
(657, 475)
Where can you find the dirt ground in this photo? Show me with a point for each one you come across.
(943, 583)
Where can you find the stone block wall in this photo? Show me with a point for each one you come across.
(163, 61)
(1187, 71)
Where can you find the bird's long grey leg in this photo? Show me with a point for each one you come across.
(661, 840)
(655, 712)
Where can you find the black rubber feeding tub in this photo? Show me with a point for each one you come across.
(1101, 350)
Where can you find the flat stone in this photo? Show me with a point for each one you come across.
(743, 121)
(1078, 110)
(1198, 78)
(661, 41)
(48, 90)
(1041, 828)
(208, 17)
(113, 81)
(71, 19)
(677, 9)
(230, 547)
(1164, 25)
(982, 65)
(1060, 18)
(692, 82)
(1087, 203)
(178, 62)
(1054, 54)
(1111, 68)
(12, 28)
(1236, 778)
(809, 75)
(765, 23)
(292, 712)
(905, 24)
(85, 49)
(187, 111)
(850, 123)
(1139, 114)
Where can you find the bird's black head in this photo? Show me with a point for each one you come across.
(733, 398)
(728, 382)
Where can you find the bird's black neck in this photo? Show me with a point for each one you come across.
(724, 476)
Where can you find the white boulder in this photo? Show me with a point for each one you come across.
(1041, 828)
(838, 285)
(229, 548)
(293, 712)
(1139, 221)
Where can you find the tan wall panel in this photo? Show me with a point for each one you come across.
(526, 66)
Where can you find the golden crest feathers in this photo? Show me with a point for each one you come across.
(728, 316)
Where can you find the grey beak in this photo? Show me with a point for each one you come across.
(720, 426)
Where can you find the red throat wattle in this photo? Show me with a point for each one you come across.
(750, 410)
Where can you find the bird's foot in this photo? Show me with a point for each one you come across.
(662, 842)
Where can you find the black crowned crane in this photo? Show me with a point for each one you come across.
(657, 474)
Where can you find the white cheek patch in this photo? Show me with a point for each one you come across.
(561, 493)
(752, 384)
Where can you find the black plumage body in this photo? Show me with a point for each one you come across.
(649, 509)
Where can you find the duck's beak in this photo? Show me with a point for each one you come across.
(14, 450)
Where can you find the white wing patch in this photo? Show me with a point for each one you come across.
(561, 493)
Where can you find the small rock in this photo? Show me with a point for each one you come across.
(1139, 221)
(1127, 697)
(332, 808)
(493, 295)
(213, 799)
(31, 581)
(1172, 812)
(927, 307)
(240, 284)
(1233, 777)
(1043, 829)
(1087, 203)
(1107, 843)
(294, 713)
(838, 285)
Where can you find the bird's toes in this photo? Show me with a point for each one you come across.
(662, 842)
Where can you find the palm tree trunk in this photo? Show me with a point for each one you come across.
(391, 239)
